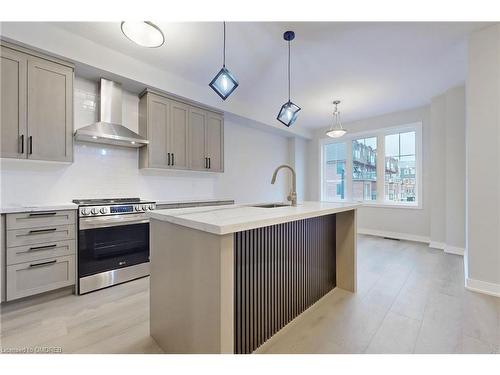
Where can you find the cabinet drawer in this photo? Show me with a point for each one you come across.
(40, 219)
(31, 278)
(30, 253)
(40, 235)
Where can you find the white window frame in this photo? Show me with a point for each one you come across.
(380, 134)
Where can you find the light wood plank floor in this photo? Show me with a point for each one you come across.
(411, 299)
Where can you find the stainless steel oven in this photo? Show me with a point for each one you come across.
(113, 242)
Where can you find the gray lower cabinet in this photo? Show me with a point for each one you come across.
(40, 252)
(37, 105)
(26, 279)
(181, 135)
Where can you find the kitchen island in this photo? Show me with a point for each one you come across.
(225, 279)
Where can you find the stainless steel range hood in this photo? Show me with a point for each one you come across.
(109, 130)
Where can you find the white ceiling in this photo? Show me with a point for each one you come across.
(374, 68)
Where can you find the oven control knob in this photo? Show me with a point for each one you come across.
(104, 210)
(151, 206)
(138, 208)
(144, 207)
(85, 211)
(95, 211)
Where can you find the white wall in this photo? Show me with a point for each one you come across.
(105, 171)
(409, 221)
(448, 171)
(483, 161)
(438, 174)
(298, 149)
(250, 157)
(455, 170)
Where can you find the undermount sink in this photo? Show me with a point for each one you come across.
(271, 205)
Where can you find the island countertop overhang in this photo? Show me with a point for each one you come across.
(221, 220)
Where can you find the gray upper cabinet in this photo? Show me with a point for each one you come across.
(197, 133)
(181, 136)
(13, 103)
(179, 120)
(50, 111)
(37, 105)
(154, 114)
(215, 141)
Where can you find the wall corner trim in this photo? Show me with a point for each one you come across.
(437, 245)
(454, 250)
(483, 287)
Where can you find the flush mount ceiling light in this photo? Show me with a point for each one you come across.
(224, 83)
(143, 33)
(336, 130)
(288, 112)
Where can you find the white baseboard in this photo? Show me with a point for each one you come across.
(437, 245)
(483, 287)
(412, 237)
(454, 250)
(399, 236)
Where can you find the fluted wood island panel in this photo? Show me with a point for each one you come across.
(280, 271)
(224, 280)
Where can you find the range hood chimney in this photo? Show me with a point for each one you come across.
(109, 130)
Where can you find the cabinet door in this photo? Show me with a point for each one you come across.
(179, 119)
(197, 124)
(158, 116)
(214, 141)
(13, 103)
(50, 110)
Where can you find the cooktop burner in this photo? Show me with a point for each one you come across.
(106, 201)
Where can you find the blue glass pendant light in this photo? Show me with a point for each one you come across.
(288, 112)
(224, 83)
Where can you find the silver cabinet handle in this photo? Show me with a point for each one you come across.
(38, 248)
(40, 214)
(43, 264)
(21, 140)
(34, 231)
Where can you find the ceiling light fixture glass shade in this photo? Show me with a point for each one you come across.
(336, 130)
(289, 111)
(143, 33)
(224, 83)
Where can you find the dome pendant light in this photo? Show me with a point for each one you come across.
(288, 112)
(224, 83)
(336, 130)
(145, 33)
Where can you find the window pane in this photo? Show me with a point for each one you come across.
(407, 143)
(364, 169)
(400, 169)
(334, 171)
(392, 145)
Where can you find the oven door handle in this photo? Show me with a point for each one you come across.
(112, 221)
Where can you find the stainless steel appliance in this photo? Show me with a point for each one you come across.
(113, 241)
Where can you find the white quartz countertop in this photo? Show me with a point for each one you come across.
(239, 217)
(16, 208)
(11, 209)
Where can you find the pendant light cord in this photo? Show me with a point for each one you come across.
(224, 49)
(288, 70)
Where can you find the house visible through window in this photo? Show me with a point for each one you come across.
(364, 169)
(400, 167)
(382, 167)
(334, 171)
